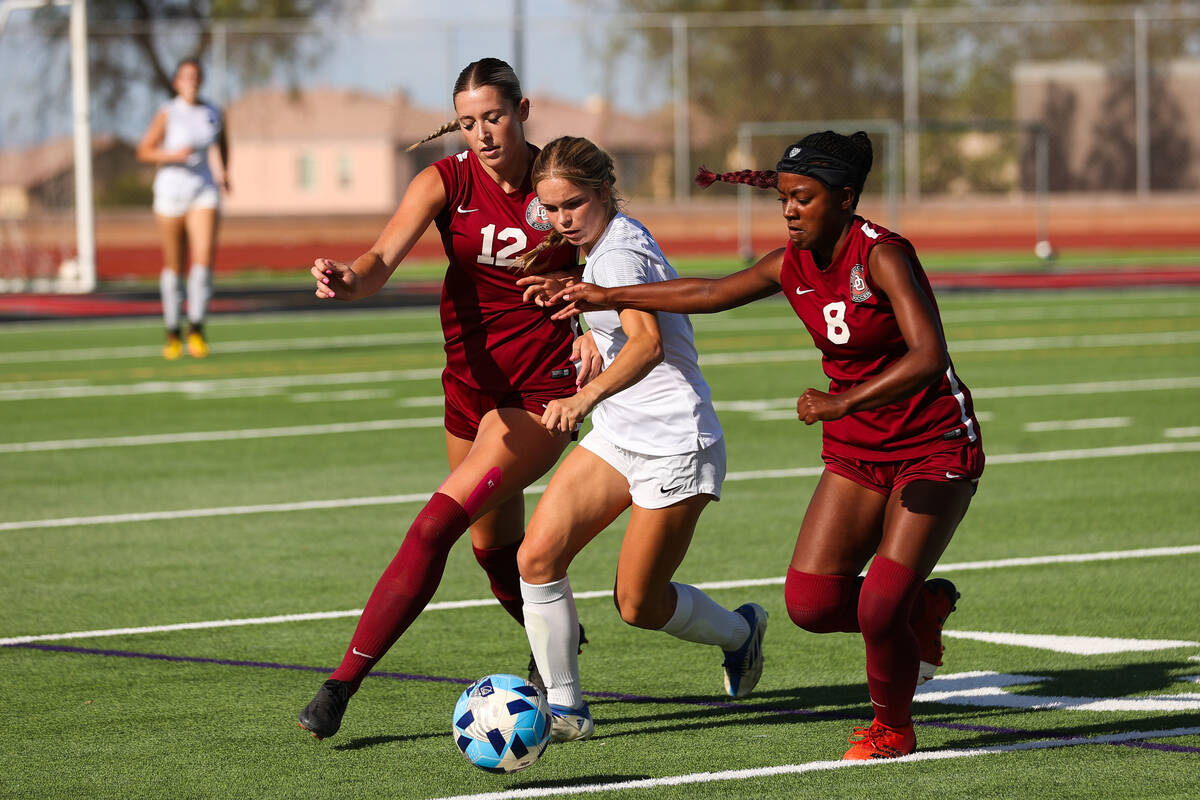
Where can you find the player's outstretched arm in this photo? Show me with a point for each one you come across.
(422, 201)
(680, 296)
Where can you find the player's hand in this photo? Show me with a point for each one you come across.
(180, 156)
(565, 415)
(579, 298)
(540, 288)
(815, 406)
(587, 358)
(334, 279)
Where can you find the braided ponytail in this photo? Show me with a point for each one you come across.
(452, 125)
(758, 178)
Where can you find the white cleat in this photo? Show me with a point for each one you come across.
(570, 724)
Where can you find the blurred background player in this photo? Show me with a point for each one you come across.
(186, 139)
(506, 359)
(901, 443)
(656, 445)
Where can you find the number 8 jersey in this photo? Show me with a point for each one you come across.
(855, 328)
(494, 340)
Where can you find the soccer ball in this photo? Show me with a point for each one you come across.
(501, 723)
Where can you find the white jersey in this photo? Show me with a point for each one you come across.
(670, 410)
(195, 126)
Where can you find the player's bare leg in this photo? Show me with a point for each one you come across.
(584, 496)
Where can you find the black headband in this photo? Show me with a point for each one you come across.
(829, 170)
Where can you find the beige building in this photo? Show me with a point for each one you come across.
(326, 151)
(334, 151)
(1089, 109)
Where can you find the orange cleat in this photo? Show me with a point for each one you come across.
(173, 349)
(197, 347)
(939, 596)
(880, 741)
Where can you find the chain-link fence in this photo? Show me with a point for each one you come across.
(316, 107)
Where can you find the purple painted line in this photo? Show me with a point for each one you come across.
(617, 696)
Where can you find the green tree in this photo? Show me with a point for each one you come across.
(137, 43)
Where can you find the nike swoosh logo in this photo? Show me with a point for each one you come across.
(804, 291)
(952, 476)
(672, 490)
(462, 210)
(358, 652)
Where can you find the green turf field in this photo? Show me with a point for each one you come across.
(184, 546)
(933, 261)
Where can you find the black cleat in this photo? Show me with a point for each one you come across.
(323, 716)
(535, 677)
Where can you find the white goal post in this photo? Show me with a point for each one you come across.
(77, 275)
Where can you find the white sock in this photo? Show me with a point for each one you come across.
(552, 624)
(198, 291)
(168, 287)
(698, 618)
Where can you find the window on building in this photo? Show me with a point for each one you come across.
(306, 171)
(345, 171)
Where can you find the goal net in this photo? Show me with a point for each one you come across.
(46, 240)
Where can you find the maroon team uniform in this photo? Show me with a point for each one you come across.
(933, 434)
(500, 350)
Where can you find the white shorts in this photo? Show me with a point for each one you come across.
(174, 195)
(661, 481)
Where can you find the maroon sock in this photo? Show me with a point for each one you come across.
(822, 603)
(405, 587)
(500, 564)
(884, 607)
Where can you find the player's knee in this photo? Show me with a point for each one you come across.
(817, 603)
(637, 610)
(538, 560)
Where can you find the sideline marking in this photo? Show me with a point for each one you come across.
(1075, 645)
(222, 436)
(1077, 424)
(1157, 448)
(245, 346)
(706, 586)
(817, 766)
(989, 689)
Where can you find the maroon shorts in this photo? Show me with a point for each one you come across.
(466, 405)
(960, 464)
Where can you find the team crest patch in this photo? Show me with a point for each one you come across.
(859, 291)
(536, 216)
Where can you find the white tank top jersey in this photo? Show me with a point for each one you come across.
(195, 126)
(669, 411)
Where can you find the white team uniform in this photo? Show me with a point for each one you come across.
(662, 432)
(178, 187)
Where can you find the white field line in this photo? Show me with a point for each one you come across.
(1080, 342)
(1182, 433)
(222, 436)
(1067, 558)
(1005, 392)
(1157, 448)
(250, 346)
(816, 766)
(1077, 424)
(778, 408)
(703, 323)
(220, 384)
(710, 359)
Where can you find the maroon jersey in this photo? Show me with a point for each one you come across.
(494, 340)
(855, 328)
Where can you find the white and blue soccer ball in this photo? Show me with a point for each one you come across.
(501, 723)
